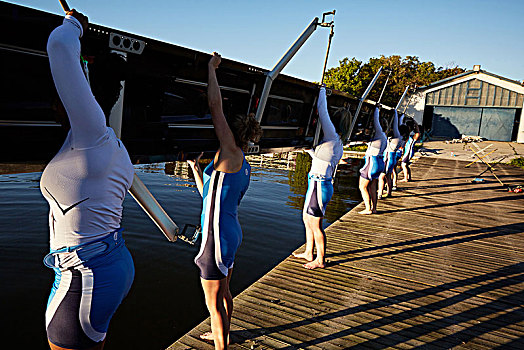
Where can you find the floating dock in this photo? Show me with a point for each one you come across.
(442, 266)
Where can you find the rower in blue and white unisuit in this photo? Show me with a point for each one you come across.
(325, 158)
(404, 135)
(390, 159)
(85, 185)
(222, 186)
(374, 165)
(222, 234)
(409, 149)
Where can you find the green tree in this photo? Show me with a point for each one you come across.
(353, 76)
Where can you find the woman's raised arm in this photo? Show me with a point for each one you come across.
(222, 130)
(325, 121)
(396, 132)
(88, 123)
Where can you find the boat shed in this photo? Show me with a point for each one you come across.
(473, 103)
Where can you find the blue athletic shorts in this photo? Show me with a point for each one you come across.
(372, 168)
(318, 195)
(390, 160)
(398, 156)
(408, 151)
(87, 292)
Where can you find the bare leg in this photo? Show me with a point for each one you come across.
(394, 177)
(320, 243)
(308, 252)
(373, 194)
(389, 182)
(214, 291)
(228, 305)
(382, 179)
(405, 172)
(363, 185)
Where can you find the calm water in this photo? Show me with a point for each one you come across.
(165, 300)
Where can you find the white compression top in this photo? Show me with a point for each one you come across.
(378, 143)
(394, 142)
(87, 180)
(328, 152)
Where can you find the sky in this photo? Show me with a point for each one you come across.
(446, 32)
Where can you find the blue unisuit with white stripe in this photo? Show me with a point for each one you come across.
(221, 232)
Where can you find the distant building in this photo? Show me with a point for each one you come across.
(476, 103)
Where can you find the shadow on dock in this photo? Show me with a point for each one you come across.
(435, 269)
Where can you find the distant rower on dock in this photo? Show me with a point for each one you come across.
(326, 156)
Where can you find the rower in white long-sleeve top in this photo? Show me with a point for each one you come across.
(326, 156)
(373, 166)
(85, 185)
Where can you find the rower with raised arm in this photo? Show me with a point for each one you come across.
(409, 150)
(222, 186)
(85, 185)
(390, 159)
(326, 156)
(374, 165)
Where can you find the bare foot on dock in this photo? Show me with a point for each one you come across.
(308, 257)
(365, 212)
(207, 336)
(314, 264)
(404, 180)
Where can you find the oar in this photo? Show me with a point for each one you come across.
(361, 101)
(139, 191)
(64, 5)
(331, 33)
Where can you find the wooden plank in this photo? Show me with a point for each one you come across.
(440, 267)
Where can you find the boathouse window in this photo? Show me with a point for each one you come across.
(184, 103)
(282, 111)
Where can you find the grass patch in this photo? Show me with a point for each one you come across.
(364, 147)
(519, 162)
(356, 148)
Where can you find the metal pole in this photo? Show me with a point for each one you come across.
(402, 97)
(384, 88)
(407, 104)
(364, 95)
(281, 64)
(138, 189)
(115, 118)
(331, 33)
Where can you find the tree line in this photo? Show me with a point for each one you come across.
(353, 76)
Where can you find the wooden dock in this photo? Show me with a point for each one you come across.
(441, 267)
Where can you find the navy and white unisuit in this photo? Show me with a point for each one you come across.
(85, 185)
(390, 155)
(326, 156)
(374, 158)
(408, 150)
(221, 231)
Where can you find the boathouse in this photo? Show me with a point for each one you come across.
(473, 103)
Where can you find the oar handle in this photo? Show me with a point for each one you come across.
(64, 5)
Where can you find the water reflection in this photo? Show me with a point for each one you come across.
(297, 165)
(166, 299)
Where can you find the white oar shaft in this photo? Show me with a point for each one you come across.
(150, 205)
